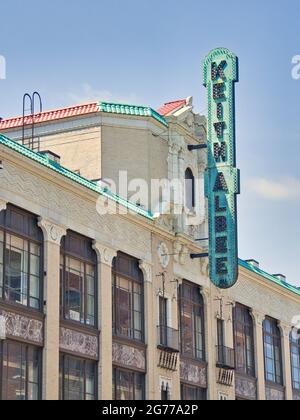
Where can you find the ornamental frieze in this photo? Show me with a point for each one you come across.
(273, 394)
(245, 388)
(193, 374)
(129, 356)
(22, 327)
(79, 343)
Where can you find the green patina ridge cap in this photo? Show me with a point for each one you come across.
(269, 277)
(46, 162)
(132, 110)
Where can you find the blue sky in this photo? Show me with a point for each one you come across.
(149, 52)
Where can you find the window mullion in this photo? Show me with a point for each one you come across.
(28, 272)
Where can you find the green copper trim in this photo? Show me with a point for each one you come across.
(45, 161)
(269, 277)
(135, 110)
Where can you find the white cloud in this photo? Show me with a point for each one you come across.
(87, 93)
(285, 188)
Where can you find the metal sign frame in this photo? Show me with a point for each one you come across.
(222, 178)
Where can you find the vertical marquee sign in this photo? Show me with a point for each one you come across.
(222, 180)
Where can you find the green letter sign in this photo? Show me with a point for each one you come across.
(222, 176)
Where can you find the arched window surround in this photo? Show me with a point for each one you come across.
(192, 321)
(21, 258)
(190, 186)
(295, 359)
(78, 280)
(272, 339)
(243, 332)
(128, 298)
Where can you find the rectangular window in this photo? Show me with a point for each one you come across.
(272, 352)
(192, 393)
(20, 270)
(163, 321)
(128, 385)
(243, 340)
(295, 359)
(21, 267)
(78, 379)
(192, 322)
(128, 299)
(78, 280)
(21, 371)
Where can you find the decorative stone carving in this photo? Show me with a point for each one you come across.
(184, 255)
(23, 327)
(147, 271)
(3, 205)
(245, 388)
(52, 232)
(163, 254)
(204, 264)
(286, 329)
(181, 253)
(105, 254)
(193, 374)
(296, 396)
(129, 357)
(177, 251)
(258, 318)
(79, 343)
(274, 394)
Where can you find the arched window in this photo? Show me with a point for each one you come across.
(295, 359)
(272, 351)
(243, 340)
(78, 280)
(128, 298)
(189, 189)
(192, 322)
(21, 262)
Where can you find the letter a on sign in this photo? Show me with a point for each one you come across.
(222, 178)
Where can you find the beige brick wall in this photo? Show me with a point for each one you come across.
(136, 151)
(80, 150)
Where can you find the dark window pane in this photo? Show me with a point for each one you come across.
(244, 341)
(192, 322)
(77, 379)
(20, 259)
(128, 298)
(128, 385)
(78, 280)
(273, 352)
(21, 366)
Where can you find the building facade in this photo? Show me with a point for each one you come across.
(109, 305)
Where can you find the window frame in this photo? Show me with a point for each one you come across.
(276, 343)
(201, 392)
(190, 202)
(138, 280)
(246, 313)
(295, 344)
(134, 374)
(38, 240)
(66, 254)
(24, 347)
(63, 358)
(200, 306)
